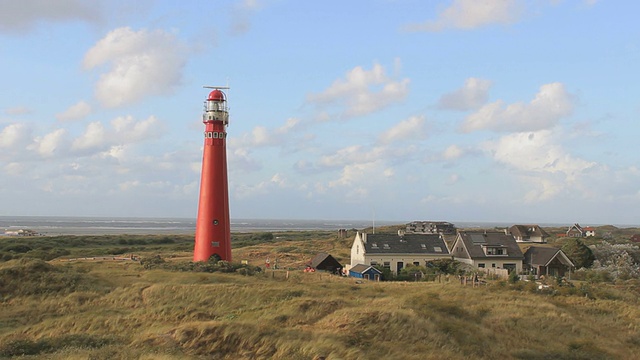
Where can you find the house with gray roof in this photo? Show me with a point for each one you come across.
(366, 272)
(483, 250)
(528, 233)
(395, 251)
(547, 261)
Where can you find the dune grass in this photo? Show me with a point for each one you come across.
(120, 310)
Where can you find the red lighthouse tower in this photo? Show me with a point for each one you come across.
(213, 230)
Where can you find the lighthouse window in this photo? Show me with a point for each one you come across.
(215, 222)
(215, 135)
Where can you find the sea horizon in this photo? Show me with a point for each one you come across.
(95, 225)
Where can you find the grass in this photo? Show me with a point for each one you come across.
(120, 310)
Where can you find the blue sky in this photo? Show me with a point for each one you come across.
(510, 111)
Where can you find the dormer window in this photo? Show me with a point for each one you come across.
(423, 246)
(495, 251)
(374, 245)
(386, 246)
(437, 249)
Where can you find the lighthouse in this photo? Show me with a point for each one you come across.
(213, 232)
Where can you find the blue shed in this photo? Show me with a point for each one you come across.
(366, 272)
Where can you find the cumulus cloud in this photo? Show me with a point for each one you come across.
(471, 14)
(452, 152)
(472, 95)
(550, 104)
(537, 156)
(140, 63)
(75, 112)
(362, 91)
(93, 137)
(18, 110)
(21, 16)
(412, 128)
(123, 130)
(49, 144)
(129, 130)
(13, 135)
(241, 14)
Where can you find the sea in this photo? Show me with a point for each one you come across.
(64, 225)
(71, 225)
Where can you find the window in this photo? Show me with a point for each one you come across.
(366, 276)
(493, 265)
(386, 246)
(373, 263)
(423, 246)
(437, 249)
(374, 245)
(416, 263)
(481, 266)
(495, 251)
(387, 265)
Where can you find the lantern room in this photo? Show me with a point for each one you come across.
(215, 108)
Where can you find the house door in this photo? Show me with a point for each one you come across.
(400, 266)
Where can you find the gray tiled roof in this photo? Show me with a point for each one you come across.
(539, 255)
(526, 231)
(406, 244)
(361, 268)
(474, 241)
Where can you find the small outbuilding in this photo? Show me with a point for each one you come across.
(326, 262)
(366, 272)
(547, 261)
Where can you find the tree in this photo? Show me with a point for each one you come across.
(578, 252)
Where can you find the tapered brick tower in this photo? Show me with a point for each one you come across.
(213, 230)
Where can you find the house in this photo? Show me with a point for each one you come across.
(431, 227)
(394, 251)
(578, 231)
(483, 250)
(547, 261)
(326, 262)
(366, 272)
(635, 238)
(528, 233)
(589, 231)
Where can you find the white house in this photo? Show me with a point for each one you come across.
(395, 251)
(482, 249)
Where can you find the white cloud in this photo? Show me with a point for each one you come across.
(412, 128)
(127, 130)
(363, 91)
(93, 137)
(21, 16)
(540, 161)
(472, 95)
(49, 144)
(143, 63)
(14, 169)
(13, 135)
(452, 152)
(18, 110)
(241, 14)
(471, 14)
(550, 104)
(75, 112)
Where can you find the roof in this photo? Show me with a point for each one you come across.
(476, 241)
(362, 268)
(324, 259)
(431, 244)
(527, 231)
(539, 255)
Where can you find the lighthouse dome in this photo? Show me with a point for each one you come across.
(216, 95)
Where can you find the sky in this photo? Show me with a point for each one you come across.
(511, 111)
